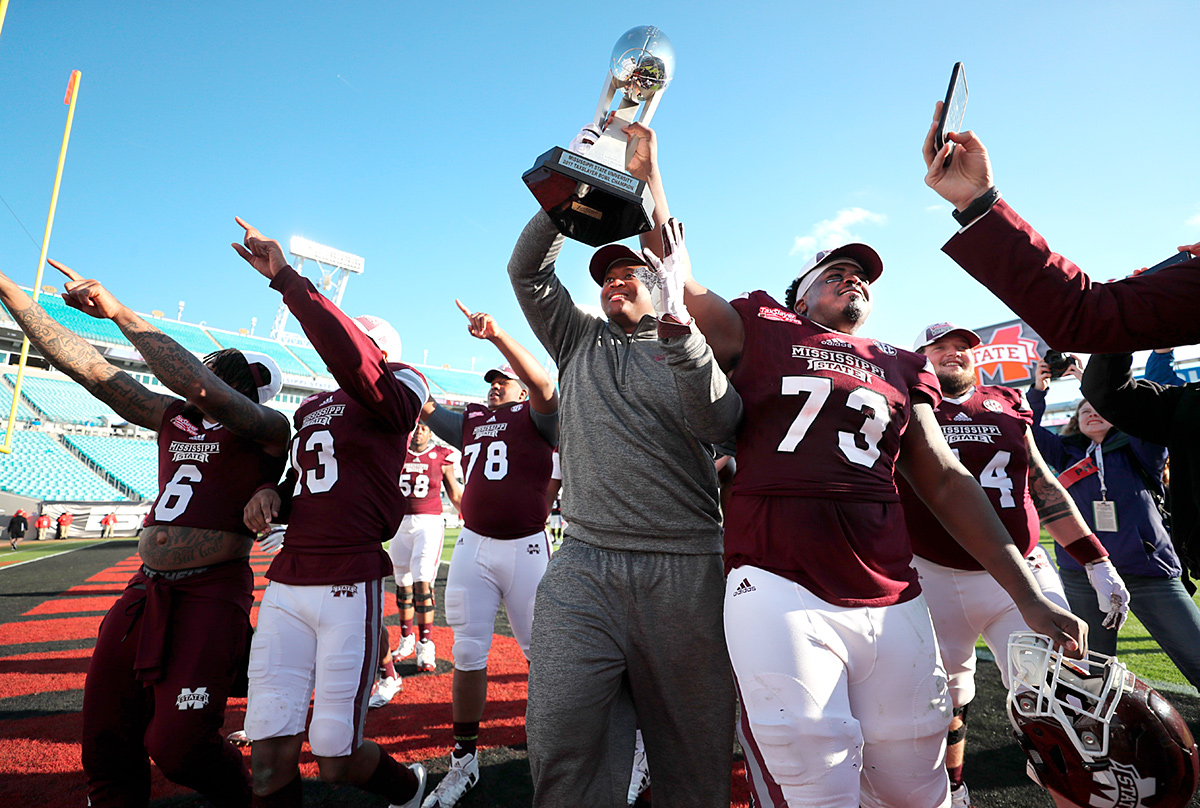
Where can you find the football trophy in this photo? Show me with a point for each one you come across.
(592, 198)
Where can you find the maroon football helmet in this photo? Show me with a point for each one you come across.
(1094, 733)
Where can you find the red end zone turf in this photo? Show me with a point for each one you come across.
(39, 755)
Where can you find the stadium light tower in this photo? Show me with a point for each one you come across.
(335, 267)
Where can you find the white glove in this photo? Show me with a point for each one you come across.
(1111, 593)
(673, 271)
(272, 540)
(586, 138)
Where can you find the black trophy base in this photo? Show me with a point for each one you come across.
(589, 201)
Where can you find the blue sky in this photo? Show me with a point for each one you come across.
(399, 131)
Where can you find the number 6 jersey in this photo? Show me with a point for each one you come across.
(814, 498)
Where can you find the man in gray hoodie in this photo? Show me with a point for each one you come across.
(627, 628)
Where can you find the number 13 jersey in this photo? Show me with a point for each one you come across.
(825, 413)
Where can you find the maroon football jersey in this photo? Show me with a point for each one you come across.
(347, 450)
(421, 478)
(825, 414)
(506, 465)
(206, 473)
(986, 430)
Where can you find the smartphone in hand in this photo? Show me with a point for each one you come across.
(1177, 258)
(953, 110)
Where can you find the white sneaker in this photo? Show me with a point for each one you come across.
(959, 797)
(463, 775)
(419, 771)
(385, 690)
(640, 781)
(426, 656)
(405, 648)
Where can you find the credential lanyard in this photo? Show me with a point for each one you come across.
(1096, 452)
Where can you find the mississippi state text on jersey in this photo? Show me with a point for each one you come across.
(986, 430)
(206, 473)
(814, 498)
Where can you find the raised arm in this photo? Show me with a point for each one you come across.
(543, 398)
(1143, 409)
(712, 408)
(717, 320)
(956, 499)
(356, 362)
(179, 369)
(1057, 298)
(75, 357)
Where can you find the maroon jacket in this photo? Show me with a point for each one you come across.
(1063, 305)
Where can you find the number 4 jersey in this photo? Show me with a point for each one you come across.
(986, 430)
(206, 474)
(814, 498)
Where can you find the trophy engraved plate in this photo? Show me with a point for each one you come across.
(590, 197)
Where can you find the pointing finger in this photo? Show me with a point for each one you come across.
(64, 269)
(462, 308)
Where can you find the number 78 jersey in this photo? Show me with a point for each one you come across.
(506, 469)
(825, 411)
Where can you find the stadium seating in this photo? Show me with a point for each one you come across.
(455, 383)
(311, 358)
(23, 412)
(42, 468)
(133, 462)
(82, 324)
(192, 337)
(287, 362)
(64, 401)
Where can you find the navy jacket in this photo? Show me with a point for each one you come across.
(1141, 544)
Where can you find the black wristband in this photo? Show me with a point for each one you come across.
(982, 204)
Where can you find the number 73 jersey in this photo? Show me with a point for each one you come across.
(825, 411)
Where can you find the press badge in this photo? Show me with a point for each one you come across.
(1105, 515)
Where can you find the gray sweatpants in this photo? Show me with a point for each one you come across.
(623, 640)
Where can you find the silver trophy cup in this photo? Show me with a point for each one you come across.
(592, 198)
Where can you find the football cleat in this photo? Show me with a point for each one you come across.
(959, 797)
(419, 771)
(462, 777)
(405, 648)
(238, 738)
(426, 656)
(385, 690)
(640, 780)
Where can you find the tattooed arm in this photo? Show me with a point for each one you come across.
(179, 369)
(1054, 505)
(75, 357)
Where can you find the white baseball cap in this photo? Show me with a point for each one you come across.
(860, 254)
(932, 333)
(380, 330)
(504, 370)
(269, 388)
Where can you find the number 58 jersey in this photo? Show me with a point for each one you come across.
(825, 411)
